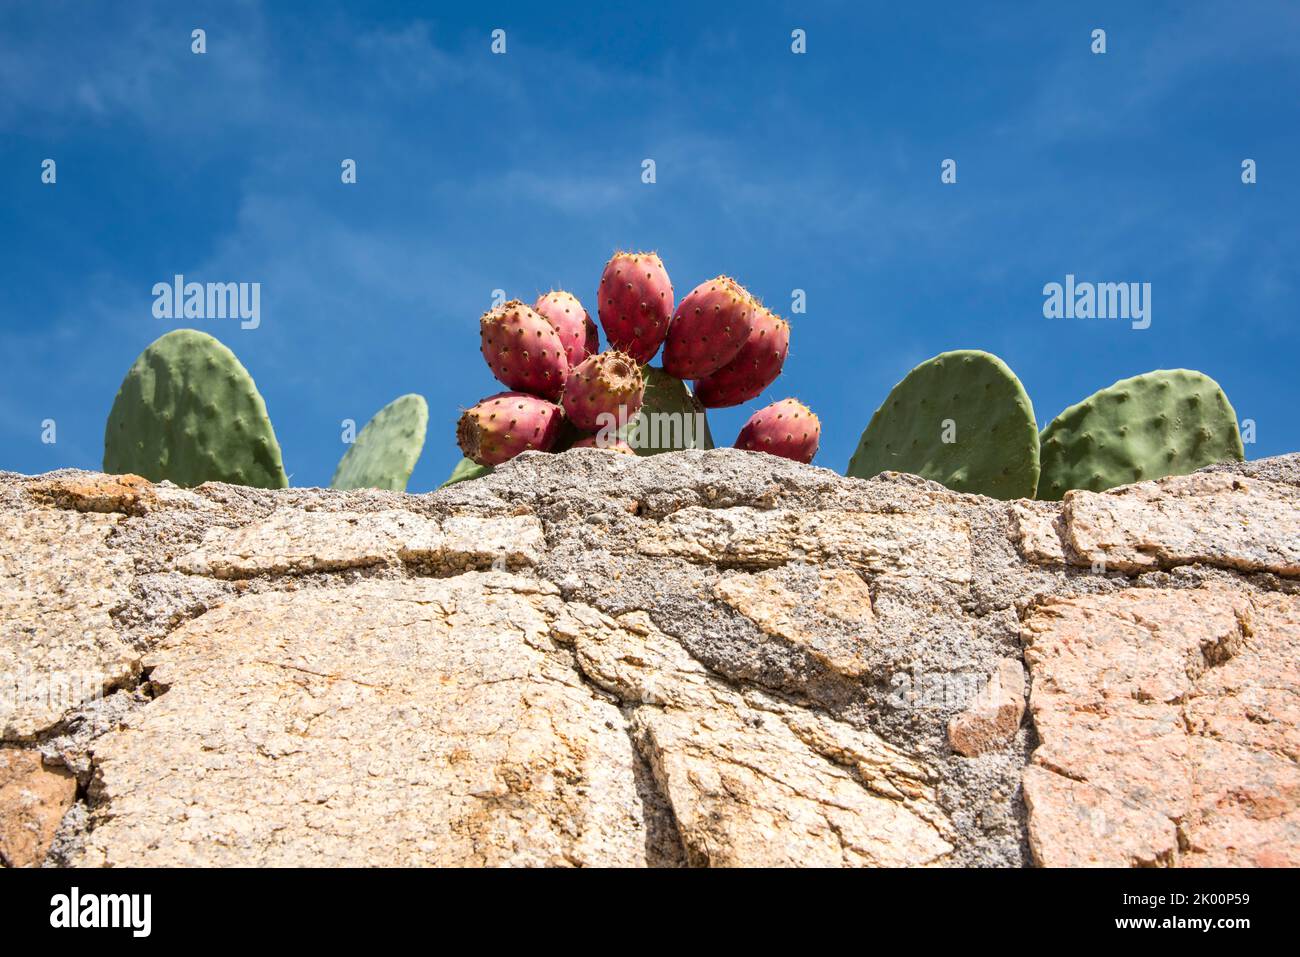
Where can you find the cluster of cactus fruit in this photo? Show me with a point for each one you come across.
(963, 419)
(189, 412)
(564, 394)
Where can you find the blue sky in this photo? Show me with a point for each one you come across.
(522, 172)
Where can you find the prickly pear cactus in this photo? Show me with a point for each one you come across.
(962, 419)
(571, 323)
(465, 470)
(612, 445)
(1167, 422)
(387, 449)
(189, 412)
(671, 417)
(567, 436)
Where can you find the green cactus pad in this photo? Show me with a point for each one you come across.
(1167, 422)
(974, 400)
(569, 433)
(188, 412)
(667, 394)
(465, 470)
(387, 449)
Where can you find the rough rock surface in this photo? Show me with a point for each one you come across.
(33, 800)
(703, 658)
(1168, 722)
(995, 714)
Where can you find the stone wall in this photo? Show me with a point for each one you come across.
(705, 658)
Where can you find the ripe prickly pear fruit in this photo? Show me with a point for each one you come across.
(571, 322)
(635, 304)
(787, 428)
(755, 367)
(610, 445)
(600, 385)
(501, 426)
(523, 350)
(709, 329)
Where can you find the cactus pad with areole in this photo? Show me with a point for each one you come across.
(465, 470)
(387, 449)
(190, 413)
(671, 418)
(1167, 422)
(961, 419)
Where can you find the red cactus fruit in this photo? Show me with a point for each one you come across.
(571, 322)
(709, 328)
(787, 428)
(610, 445)
(523, 350)
(635, 304)
(501, 426)
(602, 384)
(755, 367)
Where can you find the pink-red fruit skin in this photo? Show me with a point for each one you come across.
(523, 350)
(709, 328)
(608, 383)
(571, 323)
(501, 426)
(787, 428)
(612, 445)
(755, 367)
(635, 304)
